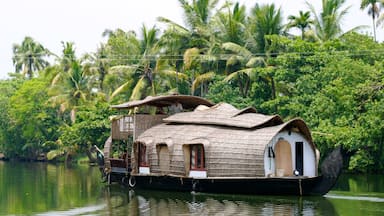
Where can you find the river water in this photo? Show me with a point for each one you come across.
(47, 189)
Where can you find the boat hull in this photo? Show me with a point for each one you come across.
(256, 186)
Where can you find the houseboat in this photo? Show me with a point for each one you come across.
(186, 143)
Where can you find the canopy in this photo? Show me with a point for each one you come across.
(187, 101)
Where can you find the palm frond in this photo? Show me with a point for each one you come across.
(201, 79)
(173, 24)
(190, 56)
(256, 62)
(138, 89)
(122, 69)
(173, 74)
(234, 59)
(120, 89)
(237, 49)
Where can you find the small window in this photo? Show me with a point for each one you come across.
(197, 157)
(143, 156)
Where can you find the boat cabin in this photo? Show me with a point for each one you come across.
(140, 116)
(223, 142)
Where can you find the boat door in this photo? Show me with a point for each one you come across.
(283, 158)
(164, 161)
(299, 157)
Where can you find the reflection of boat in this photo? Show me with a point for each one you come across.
(215, 148)
(176, 203)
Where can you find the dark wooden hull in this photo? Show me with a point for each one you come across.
(257, 186)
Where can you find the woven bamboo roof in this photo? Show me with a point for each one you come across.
(187, 101)
(230, 151)
(225, 115)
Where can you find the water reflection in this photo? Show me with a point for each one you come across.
(140, 202)
(30, 188)
(47, 189)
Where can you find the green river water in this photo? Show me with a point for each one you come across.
(47, 189)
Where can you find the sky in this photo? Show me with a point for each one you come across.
(50, 22)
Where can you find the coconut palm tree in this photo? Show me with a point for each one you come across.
(244, 68)
(327, 25)
(142, 76)
(197, 42)
(374, 8)
(264, 20)
(70, 86)
(68, 56)
(71, 90)
(28, 57)
(302, 21)
(230, 23)
(98, 64)
(197, 29)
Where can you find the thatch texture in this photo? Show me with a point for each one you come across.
(187, 101)
(234, 140)
(225, 115)
(142, 122)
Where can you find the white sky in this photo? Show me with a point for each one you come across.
(83, 21)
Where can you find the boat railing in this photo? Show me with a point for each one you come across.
(133, 125)
(122, 127)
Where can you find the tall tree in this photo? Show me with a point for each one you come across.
(28, 57)
(197, 31)
(302, 21)
(98, 64)
(264, 20)
(243, 67)
(71, 86)
(327, 24)
(374, 8)
(68, 55)
(140, 77)
(230, 23)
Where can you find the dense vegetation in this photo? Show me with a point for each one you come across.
(331, 79)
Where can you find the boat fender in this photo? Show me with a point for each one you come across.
(124, 180)
(132, 181)
(194, 184)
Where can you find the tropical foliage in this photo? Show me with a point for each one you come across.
(330, 78)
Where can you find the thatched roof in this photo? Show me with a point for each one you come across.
(187, 101)
(229, 151)
(225, 115)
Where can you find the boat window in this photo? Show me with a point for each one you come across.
(143, 157)
(197, 157)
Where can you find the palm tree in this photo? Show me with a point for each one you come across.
(230, 23)
(72, 90)
(264, 20)
(244, 68)
(68, 56)
(302, 21)
(327, 24)
(141, 76)
(70, 86)
(121, 47)
(29, 57)
(98, 63)
(199, 41)
(374, 8)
